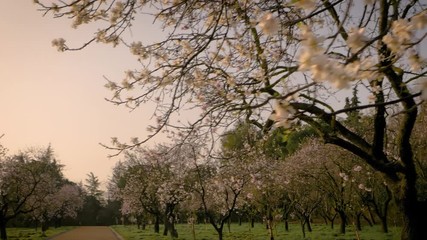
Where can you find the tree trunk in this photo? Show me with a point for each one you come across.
(166, 229)
(157, 224)
(252, 222)
(384, 226)
(36, 224)
(139, 222)
(367, 220)
(3, 234)
(358, 222)
(44, 226)
(371, 216)
(307, 220)
(414, 221)
(286, 225)
(343, 221)
(229, 225)
(172, 229)
(325, 220)
(270, 228)
(303, 228)
(219, 231)
(174, 232)
(193, 230)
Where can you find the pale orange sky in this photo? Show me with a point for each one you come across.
(58, 98)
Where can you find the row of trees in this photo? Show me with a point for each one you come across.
(301, 179)
(274, 63)
(32, 185)
(35, 193)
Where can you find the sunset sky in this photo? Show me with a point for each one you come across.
(49, 97)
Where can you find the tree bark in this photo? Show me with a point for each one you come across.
(367, 220)
(3, 233)
(270, 228)
(166, 229)
(229, 225)
(286, 225)
(372, 217)
(307, 220)
(414, 218)
(358, 222)
(157, 224)
(303, 228)
(219, 234)
(343, 217)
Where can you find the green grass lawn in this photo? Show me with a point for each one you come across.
(206, 232)
(32, 234)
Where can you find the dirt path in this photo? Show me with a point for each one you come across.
(88, 233)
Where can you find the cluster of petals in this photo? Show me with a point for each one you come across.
(59, 43)
(356, 39)
(308, 5)
(402, 31)
(323, 68)
(269, 24)
(363, 187)
(283, 114)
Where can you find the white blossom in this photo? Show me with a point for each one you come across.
(116, 12)
(269, 24)
(356, 39)
(363, 187)
(59, 43)
(186, 46)
(393, 43)
(308, 5)
(126, 84)
(376, 89)
(415, 61)
(111, 85)
(138, 49)
(402, 29)
(357, 168)
(419, 21)
(372, 98)
(344, 176)
(282, 115)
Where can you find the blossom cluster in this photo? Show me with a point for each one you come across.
(313, 58)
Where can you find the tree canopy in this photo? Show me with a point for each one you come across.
(273, 64)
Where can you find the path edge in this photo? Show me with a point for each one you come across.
(118, 236)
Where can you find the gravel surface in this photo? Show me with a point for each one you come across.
(88, 233)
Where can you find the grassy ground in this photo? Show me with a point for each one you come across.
(244, 232)
(32, 234)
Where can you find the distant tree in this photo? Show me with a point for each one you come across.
(64, 201)
(26, 180)
(93, 202)
(93, 185)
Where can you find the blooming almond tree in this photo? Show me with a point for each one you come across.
(25, 180)
(217, 193)
(63, 201)
(154, 183)
(273, 63)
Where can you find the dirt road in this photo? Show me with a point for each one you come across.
(88, 233)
